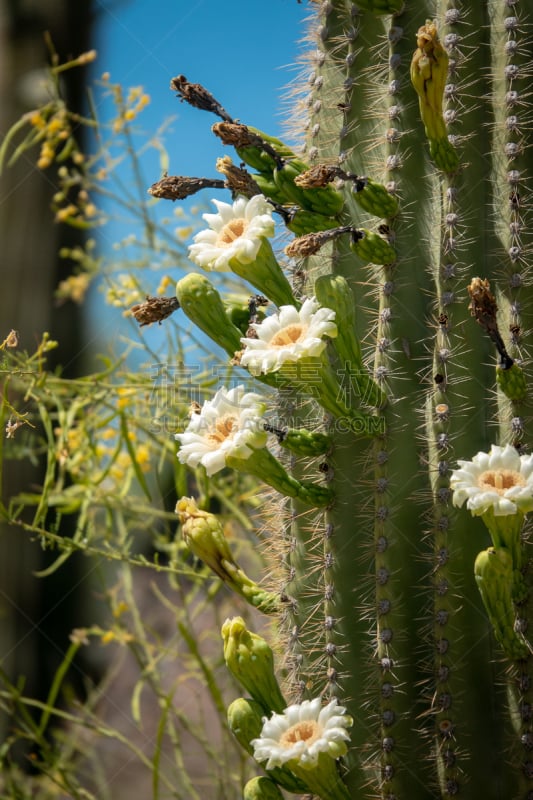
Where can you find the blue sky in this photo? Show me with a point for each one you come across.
(241, 50)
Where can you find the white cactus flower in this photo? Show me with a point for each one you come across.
(235, 233)
(288, 336)
(301, 733)
(231, 424)
(501, 481)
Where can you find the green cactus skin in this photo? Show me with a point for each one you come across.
(381, 605)
(386, 613)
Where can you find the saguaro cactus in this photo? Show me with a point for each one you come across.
(410, 201)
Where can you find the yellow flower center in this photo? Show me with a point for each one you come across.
(289, 335)
(223, 429)
(307, 731)
(231, 231)
(500, 480)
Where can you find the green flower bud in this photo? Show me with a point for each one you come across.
(375, 199)
(323, 200)
(443, 154)
(302, 442)
(429, 69)
(512, 382)
(250, 660)
(283, 150)
(261, 788)
(245, 721)
(373, 248)
(201, 302)
(268, 187)
(334, 292)
(302, 222)
(494, 574)
(240, 317)
(204, 536)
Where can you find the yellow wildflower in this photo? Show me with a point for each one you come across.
(142, 454)
(56, 124)
(184, 233)
(75, 438)
(66, 213)
(12, 339)
(133, 94)
(124, 395)
(90, 210)
(165, 282)
(120, 608)
(74, 287)
(37, 120)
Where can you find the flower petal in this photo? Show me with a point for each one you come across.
(288, 336)
(231, 424)
(471, 482)
(246, 221)
(329, 733)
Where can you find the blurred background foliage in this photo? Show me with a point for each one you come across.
(111, 665)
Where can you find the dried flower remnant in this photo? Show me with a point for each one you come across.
(317, 176)
(309, 244)
(12, 427)
(509, 374)
(154, 309)
(484, 309)
(196, 95)
(238, 179)
(483, 306)
(178, 187)
(241, 136)
(11, 340)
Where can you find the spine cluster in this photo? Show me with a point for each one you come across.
(408, 215)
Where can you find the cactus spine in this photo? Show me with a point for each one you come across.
(429, 662)
(384, 612)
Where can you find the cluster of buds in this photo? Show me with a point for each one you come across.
(298, 745)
